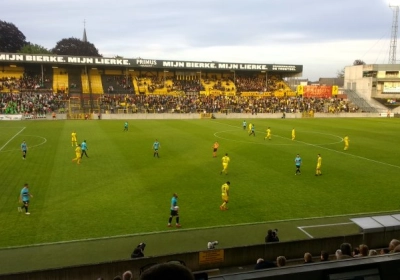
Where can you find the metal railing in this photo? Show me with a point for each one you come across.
(360, 102)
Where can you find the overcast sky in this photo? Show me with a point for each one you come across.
(323, 36)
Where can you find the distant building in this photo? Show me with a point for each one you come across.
(331, 82)
(380, 82)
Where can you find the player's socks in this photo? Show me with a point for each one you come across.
(177, 220)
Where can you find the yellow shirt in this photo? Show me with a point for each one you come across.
(346, 140)
(73, 135)
(268, 131)
(225, 160)
(319, 162)
(78, 150)
(225, 189)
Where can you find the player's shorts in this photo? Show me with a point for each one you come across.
(25, 202)
(297, 166)
(24, 152)
(215, 149)
(225, 165)
(225, 198)
(174, 213)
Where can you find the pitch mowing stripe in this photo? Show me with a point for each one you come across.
(12, 138)
(203, 228)
(317, 146)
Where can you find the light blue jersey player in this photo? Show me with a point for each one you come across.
(297, 162)
(84, 149)
(156, 146)
(24, 149)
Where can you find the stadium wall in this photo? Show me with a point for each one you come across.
(172, 116)
(218, 258)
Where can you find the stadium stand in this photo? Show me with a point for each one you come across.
(60, 80)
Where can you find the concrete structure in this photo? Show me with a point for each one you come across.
(375, 81)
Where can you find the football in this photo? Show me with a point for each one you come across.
(176, 208)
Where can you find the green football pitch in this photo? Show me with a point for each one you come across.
(122, 190)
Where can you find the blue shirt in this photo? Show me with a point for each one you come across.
(174, 202)
(244, 124)
(83, 146)
(297, 160)
(23, 146)
(156, 145)
(25, 194)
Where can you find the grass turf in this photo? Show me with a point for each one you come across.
(122, 189)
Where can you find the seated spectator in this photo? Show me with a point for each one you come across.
(363, 251)
(356, 252)
(384, 251)
(272, 236)
(280, 261)
(392, 244)
(346, 251)
(338, 254)
(262, 264)
(167, 271)
(372, 253)
(308, 258)
(324, 256)
(127, 275)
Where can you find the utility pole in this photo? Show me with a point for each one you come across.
(393, 39)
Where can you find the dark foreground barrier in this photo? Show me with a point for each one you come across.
(386, 267)
(230, 257)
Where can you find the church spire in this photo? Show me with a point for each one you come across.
(84, 38)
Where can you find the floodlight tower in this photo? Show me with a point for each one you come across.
(393, 40)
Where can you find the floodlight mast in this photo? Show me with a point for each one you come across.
(393, 40)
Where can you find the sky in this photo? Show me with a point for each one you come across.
(324, 36)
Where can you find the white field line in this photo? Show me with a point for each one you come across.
(12, 138)
(317, 146)
(193, 229)
(213, 227)
(316, 226)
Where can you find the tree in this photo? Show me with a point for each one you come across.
(34, 49)
(340, 73)
(358, 62)
(11, 38)
(74, 46)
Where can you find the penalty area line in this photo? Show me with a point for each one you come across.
(12, 138)
(316, 226)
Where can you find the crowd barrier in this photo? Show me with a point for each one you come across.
(212, 259)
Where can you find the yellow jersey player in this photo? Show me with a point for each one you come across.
(225, 162)
(73, 139)
(268, 136)
(346, 142)
(250, 126)
(293, 134)
(225, 195)
(78, 153)
(319, 163)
